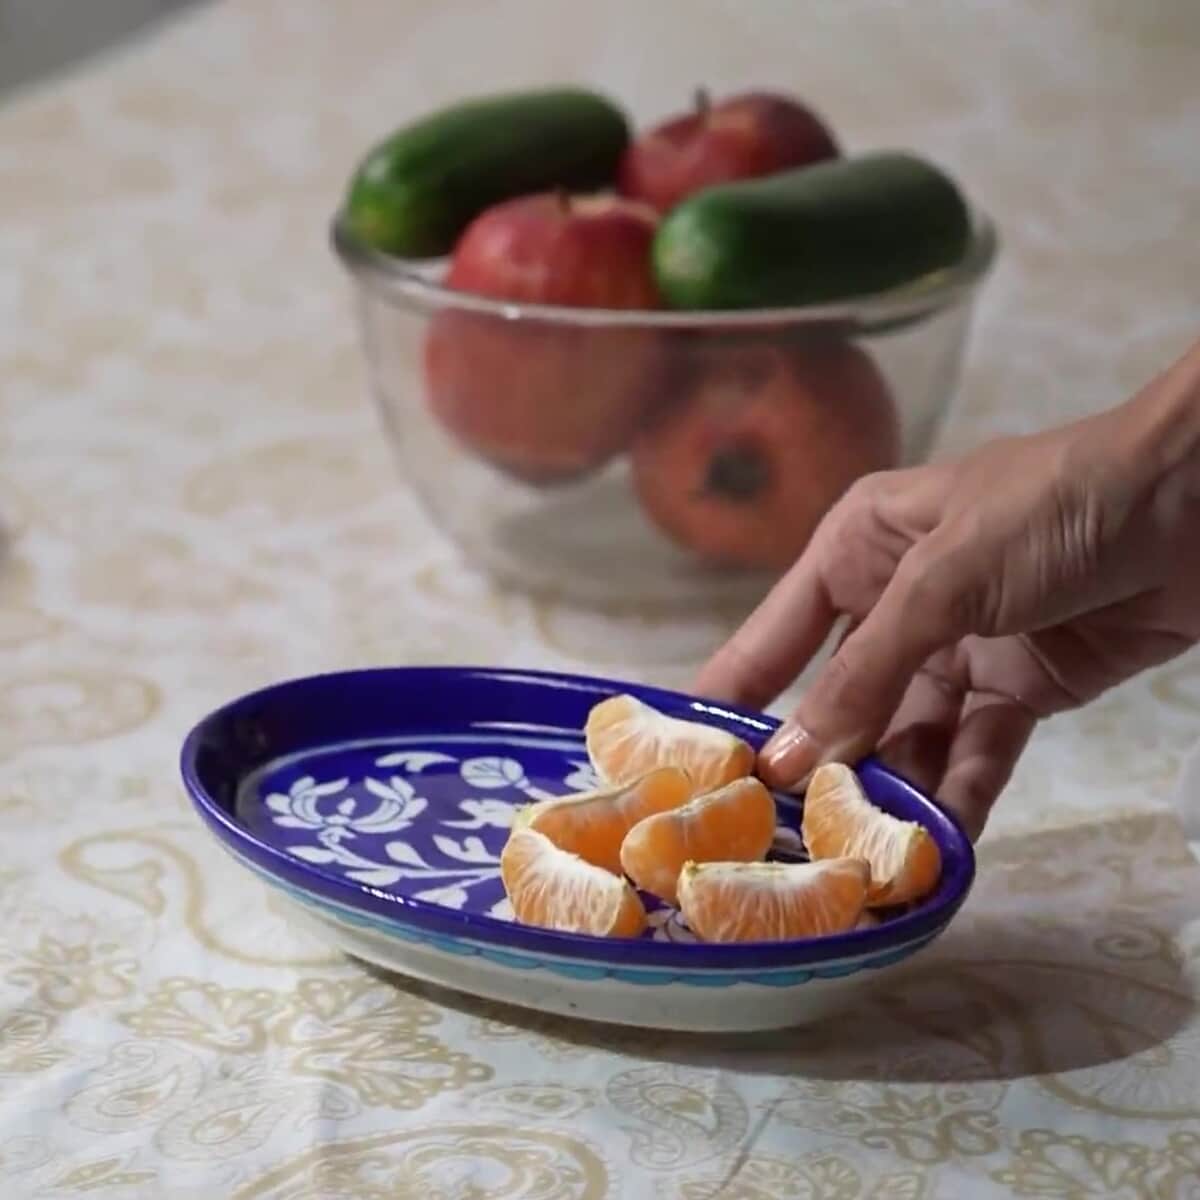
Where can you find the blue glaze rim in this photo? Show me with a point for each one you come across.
(585, 971)
(310, 711)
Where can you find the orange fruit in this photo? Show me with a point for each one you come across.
(734, 823)
(559, 890)
(839, 821)
(626, 738)
(594, 824)
(764, 902)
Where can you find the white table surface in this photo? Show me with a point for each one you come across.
(197, 500)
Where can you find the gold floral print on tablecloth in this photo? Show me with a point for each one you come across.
(485, 1160)
(810, 1177)
(1048, 1164)
(196, 499)
(676, 1116)
(194, 1110)
(150, 870)
(27, 1043)
(68, 707)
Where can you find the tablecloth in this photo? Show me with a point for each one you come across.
(196, 499)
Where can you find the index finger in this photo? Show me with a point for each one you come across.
(777, 640)
(842, 571)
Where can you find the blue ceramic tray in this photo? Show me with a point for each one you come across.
(379, 801)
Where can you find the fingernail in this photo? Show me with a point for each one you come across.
(790, 756)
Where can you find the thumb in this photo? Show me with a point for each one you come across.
(927, 606)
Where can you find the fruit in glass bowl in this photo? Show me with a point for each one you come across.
(743, 136)
(758, 442)
(616, 406)
(545, 403)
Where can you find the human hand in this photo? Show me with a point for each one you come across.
(982, 595)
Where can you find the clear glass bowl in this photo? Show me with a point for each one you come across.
(650, 459)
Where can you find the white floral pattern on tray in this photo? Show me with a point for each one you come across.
(428, 824)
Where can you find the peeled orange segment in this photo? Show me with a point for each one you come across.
(767, 902)
(626, 738)
(839, 821)
(594, 824)
(558, 890)
(734, 823)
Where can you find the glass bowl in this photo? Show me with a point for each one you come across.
(650, 459)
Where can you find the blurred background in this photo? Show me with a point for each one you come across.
(185, 403)
(198, 497)
(40, 37)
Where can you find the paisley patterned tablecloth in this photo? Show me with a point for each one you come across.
(196, 499)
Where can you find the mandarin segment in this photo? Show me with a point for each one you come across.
(735, 823)
(627, 738)
(594, 824)
(839, 821)
(559, 890)
(753, 902)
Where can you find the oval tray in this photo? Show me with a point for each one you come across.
(379, 800)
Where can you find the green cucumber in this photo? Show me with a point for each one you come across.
(830, 231)
(415, 192)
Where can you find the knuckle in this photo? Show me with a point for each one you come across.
(869, 495)
(861, 500)
(853, 515)
(937, 589)
(863, 492)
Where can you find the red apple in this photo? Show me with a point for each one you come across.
(553, 248)
(547, 400)
(745, 460)
(742, 137)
